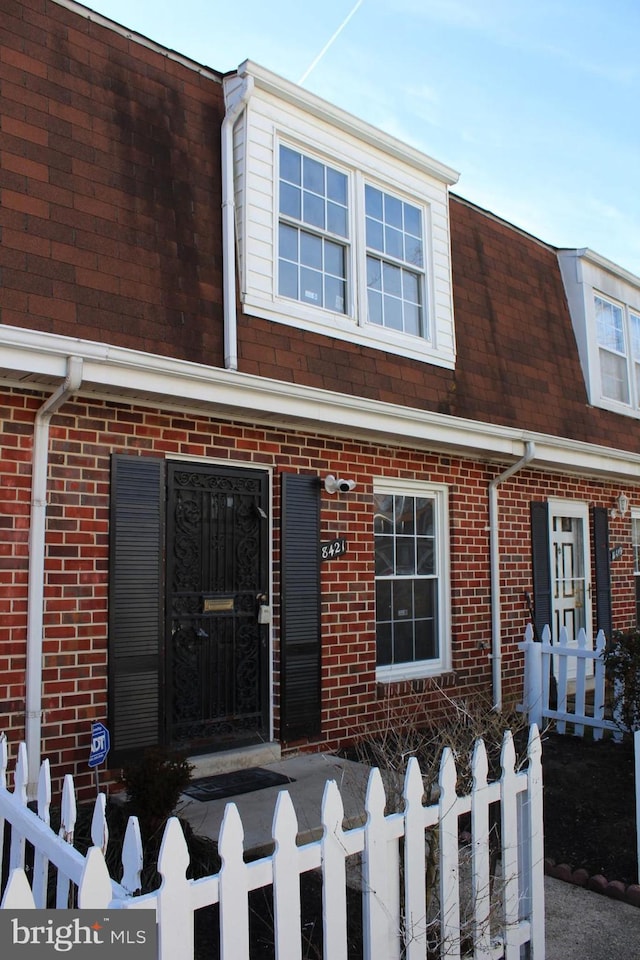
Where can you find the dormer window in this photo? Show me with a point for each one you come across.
(618, 330)
(604, 302)
(341, 230)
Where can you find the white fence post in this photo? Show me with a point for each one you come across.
(334, 904)
(532, 677)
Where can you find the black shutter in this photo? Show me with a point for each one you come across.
(541, 567)
(603, 570)
(135, 603)
(300, 698)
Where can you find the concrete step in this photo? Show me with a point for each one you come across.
(256, 755)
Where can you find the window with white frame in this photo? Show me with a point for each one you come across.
(411, 580)
(313, 231)
(395, 263)
(618, 333)
(341, 229)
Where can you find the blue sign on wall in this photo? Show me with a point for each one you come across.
(100, 743)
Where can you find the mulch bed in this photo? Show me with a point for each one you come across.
(589, 808)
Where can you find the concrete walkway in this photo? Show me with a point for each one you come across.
(580, 924)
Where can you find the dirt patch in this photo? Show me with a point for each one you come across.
(589, 805)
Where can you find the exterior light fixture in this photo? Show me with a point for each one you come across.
(621, 507)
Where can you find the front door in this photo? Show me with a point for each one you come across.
(570, 573)
(217, 648)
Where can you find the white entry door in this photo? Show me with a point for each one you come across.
(570, 572)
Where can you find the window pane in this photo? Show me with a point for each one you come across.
(313, 212)
(288, 279)
(426, 647)
(410, 287)
(384, 556)
(412, 220)
(334, 259)
(413, 251)
(392, 279)
(373, 202)
(609, 325)
(290, 165)
(426, 563)
(311, 251)
(383, 513)
(374, 314)
(374, 274)
(613, 370)
(424, 517)
(402, 599)
(337, 219)
(383, 599)
(288, 242)
(403, 642)
(392, 313)
(384, 644)
(313, 175)
(404, 508)
(424, 599)
(336, 186)
(406, 556)
(634, 323)
(311, 286)
(334, 294)
(290, 201)
(412, 320)
(375, 234)
(393, 211)
(393, 243)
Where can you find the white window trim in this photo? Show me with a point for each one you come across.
(279, 112)
(440, 494)
(586, 275)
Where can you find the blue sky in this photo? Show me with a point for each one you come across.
(535, 102)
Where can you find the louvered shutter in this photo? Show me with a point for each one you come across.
(135, 603)
(602, 569)
(541, 566)
(300, 697)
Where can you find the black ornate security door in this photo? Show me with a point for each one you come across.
(216, 678)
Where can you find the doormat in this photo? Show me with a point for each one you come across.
(231, 784)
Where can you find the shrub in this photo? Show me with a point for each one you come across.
(154, 784)
(623, 668)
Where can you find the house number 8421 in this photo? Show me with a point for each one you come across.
(333, 549)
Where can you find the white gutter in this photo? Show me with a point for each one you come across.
(35, 600)
(494, 549)
(235, 104)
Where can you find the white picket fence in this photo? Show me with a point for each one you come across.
(572, 705)
(480, 915)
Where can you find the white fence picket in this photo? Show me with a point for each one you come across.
(539, 658)
(334, 878)
(286, 881)
(40, 861)
(234, 904)
(394, 925)
(415, 886)
(481, 854)
(449, 864)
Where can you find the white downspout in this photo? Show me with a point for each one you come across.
(494, 548)
(234, 106)
(35, 599)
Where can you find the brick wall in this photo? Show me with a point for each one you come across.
(85, 433)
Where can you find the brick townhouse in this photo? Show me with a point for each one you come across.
(288, 431)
